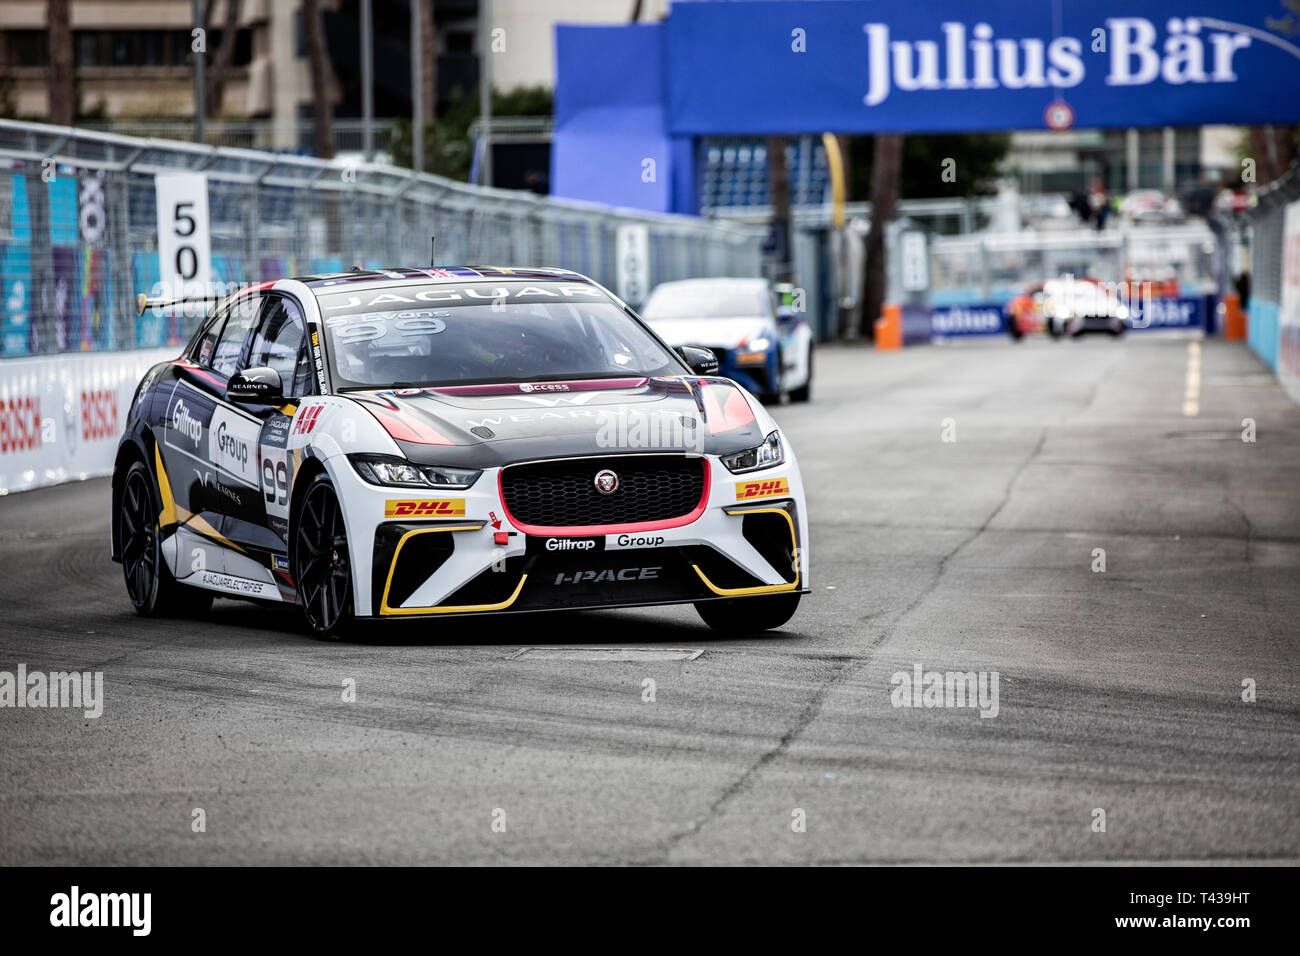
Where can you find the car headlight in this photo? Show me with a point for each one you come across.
(399, 473)
(767, 455)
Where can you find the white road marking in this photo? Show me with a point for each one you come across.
(1192, 382)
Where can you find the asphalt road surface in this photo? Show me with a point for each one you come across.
(1118, 690)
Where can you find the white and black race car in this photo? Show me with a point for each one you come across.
(424, 442)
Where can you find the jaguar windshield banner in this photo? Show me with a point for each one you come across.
(798, 66)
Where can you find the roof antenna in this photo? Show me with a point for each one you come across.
(433, 251)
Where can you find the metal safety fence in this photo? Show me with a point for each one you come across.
(79, 231)
(998, 266)
(1274, 308)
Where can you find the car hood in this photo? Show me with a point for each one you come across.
(481, 426)
(712, 333)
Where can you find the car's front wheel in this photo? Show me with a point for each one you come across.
(322, 567)
(149, 583)
(751, 615)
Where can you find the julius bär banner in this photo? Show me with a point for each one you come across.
(865, 66)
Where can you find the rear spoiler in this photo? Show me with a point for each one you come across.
(143, 301)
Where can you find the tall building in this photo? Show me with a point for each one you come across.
(134, 69)
(133, 58)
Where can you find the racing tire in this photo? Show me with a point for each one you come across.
(751, 615)
(149, 582)
(321, 562)
(804, 391)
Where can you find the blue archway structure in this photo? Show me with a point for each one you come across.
(626, 95)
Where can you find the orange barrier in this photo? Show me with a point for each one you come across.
(889, 327)
(1234, 318)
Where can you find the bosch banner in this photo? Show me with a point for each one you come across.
(862, 66)
(62, 416)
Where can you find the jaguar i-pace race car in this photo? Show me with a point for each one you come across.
(448, 441)
(763, 345)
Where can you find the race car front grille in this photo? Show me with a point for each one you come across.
(563, 494)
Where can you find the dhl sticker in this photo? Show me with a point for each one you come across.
(773, 487)
(437, 508)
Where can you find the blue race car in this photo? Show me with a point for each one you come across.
(763, 346)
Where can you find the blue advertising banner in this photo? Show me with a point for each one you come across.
(1185, 312)
(611, 142)
(950, 321)
(793, 66)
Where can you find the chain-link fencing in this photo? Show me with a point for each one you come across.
(79, 231)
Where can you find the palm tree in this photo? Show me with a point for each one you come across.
(225, 56)
(886, 173)
(321, 81)
(778, 188)
(1273, 149)
(61, 74)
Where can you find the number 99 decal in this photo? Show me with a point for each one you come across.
(275, 483)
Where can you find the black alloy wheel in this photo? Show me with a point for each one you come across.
(139, 540)
(322, 569)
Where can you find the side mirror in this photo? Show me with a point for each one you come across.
(255, 386)
(786, 314)
(701, 361)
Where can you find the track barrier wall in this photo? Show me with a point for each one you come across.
(63, 415)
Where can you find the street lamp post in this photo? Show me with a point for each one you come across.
(367, 82)
(417, 92)
(200, 104)
(485, 89)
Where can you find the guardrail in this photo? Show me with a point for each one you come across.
(1273, 327)
(79, 231)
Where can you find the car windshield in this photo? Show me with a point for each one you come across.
(481, 333)
(699, 301)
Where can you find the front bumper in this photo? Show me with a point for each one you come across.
(1095, 323)
(759, 378)
(459, 553)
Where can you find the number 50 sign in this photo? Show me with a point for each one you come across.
(184, 248)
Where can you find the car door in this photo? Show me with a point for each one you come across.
(188, 433)
(259, 525)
